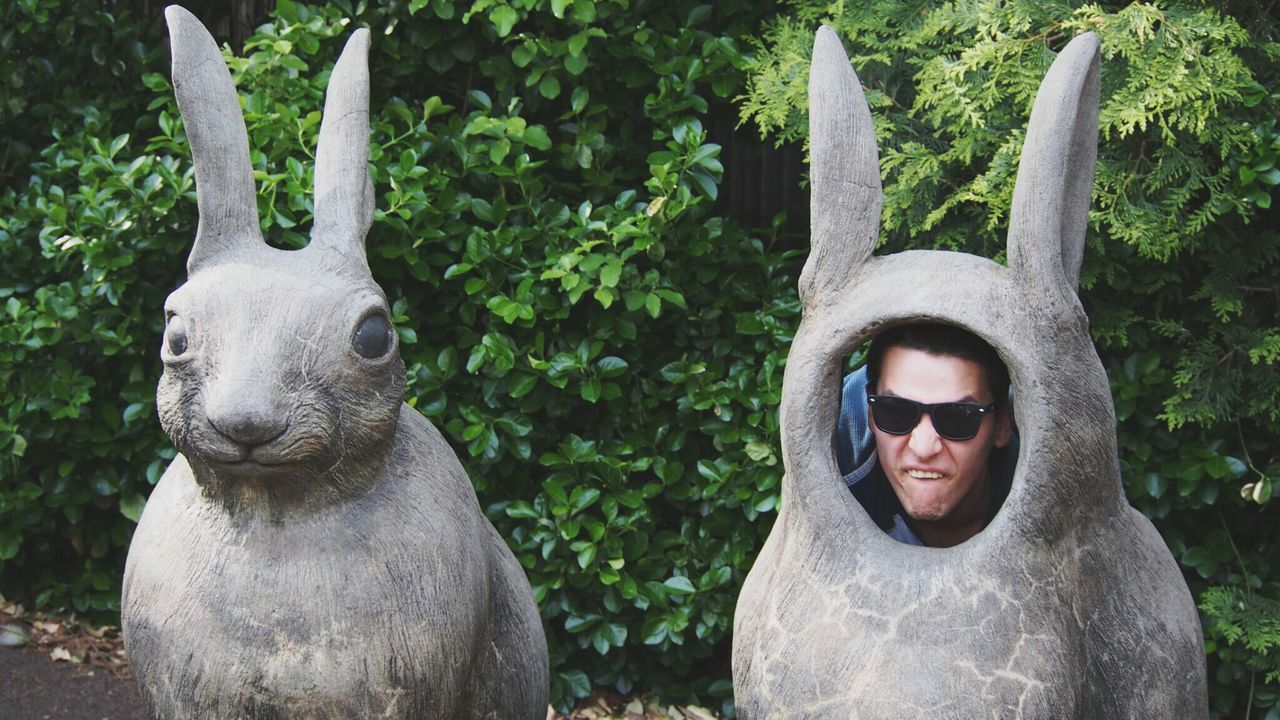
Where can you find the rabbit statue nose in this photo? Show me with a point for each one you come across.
(246, 416)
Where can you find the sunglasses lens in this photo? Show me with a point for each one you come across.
(957, 421)
(953, 421)
(895, 416)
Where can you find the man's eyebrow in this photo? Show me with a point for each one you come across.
(967, 398)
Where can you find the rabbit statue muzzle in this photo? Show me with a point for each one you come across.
(1068, 604)
(316, 550)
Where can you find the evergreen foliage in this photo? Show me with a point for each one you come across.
(1253, 621)
(1181, 277)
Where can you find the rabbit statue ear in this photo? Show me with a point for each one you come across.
(1050, 212)
(844, 170)
(344, 189)
(225, 191)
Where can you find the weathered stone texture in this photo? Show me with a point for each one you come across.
(316, 550)
(1069, 604)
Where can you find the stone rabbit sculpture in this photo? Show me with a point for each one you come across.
(1069, 604)
(316, 550)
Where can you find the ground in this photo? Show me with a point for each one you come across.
(57, 668)
(36, 687)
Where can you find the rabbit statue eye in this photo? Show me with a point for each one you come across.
(373, 337)
(175, 335)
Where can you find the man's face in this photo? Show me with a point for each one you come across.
(939, 481)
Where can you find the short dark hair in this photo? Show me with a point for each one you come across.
(942, 340)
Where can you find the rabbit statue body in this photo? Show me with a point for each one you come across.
(316, 550)
(1068, 604)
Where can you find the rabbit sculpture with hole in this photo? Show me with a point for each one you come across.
(316, 550)
(1068, 604)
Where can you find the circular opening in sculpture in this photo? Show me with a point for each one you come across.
(925, 439)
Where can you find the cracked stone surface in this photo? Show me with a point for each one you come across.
(1069, 604)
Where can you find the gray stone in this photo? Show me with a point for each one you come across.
(1068, 605)
(316, 550)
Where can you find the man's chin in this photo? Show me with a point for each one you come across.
(925, 514)
(919, 503)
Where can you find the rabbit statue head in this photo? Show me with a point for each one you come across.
(282, 378)
(316, 550)
(1068, 604)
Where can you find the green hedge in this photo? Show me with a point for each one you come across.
(1181, 277)
(85, 253)
(601, 348)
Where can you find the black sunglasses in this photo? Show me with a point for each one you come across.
(952, 420)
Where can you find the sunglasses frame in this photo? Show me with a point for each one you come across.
(922, 408)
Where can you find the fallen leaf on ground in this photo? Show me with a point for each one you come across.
(13, 635)
(60, 653)
(66, 639)
(604, 705)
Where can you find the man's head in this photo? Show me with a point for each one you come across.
(943, 341)
(941, 483)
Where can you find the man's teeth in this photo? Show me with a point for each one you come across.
(924, 474)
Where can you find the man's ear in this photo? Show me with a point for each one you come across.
(1004, 425)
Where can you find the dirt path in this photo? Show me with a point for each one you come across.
(35, 687)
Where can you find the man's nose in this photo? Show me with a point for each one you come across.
(924, 440)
